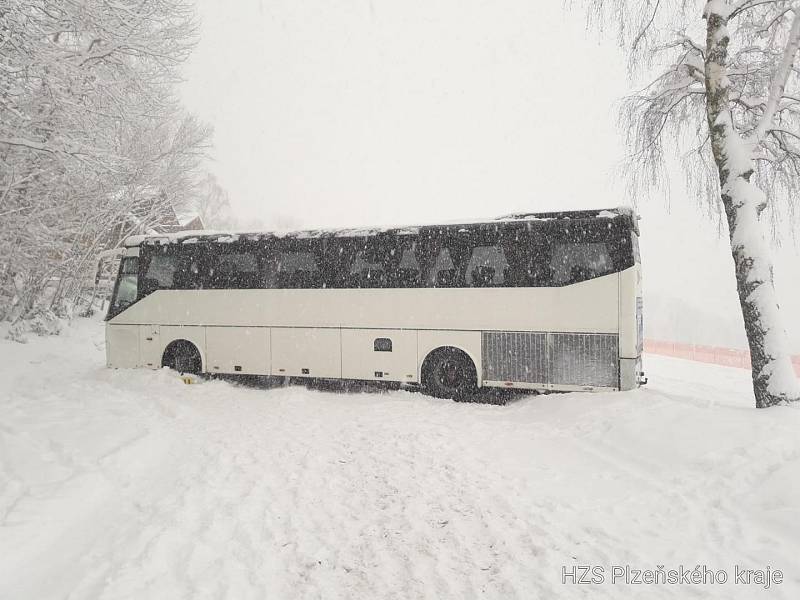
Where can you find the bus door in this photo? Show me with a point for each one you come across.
(150, 345)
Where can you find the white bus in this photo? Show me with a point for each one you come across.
(548, 301)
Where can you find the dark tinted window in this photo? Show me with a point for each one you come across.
(558, 254)
(193, 268)
(160, 265)
(516, 254)
(368, 269)
(574, 262)
(408, 271)
(173, 266)
(235, 268)
(466, 256)
(443, 272)
(529, 260)
(487, 267)
(383, 345)
(296, 265)
(160, 270)
(408, 258)
(371, 262)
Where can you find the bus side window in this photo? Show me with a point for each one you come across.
(575, 262)
(487, 267)
(188, 272)
(159, 272)
(528, 257)
(408, 273)
(235, 270)
(367, 270)
(339, 254)
(186, 277)
(298, 269)
(269, 278)
(443, 272)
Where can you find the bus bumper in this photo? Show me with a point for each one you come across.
(630, 373)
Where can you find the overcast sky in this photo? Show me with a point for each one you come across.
(380, 113)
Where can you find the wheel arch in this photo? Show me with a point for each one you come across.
(177, 342)
(424, 363)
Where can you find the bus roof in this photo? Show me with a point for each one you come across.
(622, 212)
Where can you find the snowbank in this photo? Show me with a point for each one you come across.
(130, 484)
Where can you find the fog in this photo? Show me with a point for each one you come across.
(379, 113)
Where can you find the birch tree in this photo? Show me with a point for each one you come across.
(724, 94)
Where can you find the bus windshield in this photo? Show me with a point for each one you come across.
(126, 290)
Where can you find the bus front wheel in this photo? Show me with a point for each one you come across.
(449, 373)
(183, 357)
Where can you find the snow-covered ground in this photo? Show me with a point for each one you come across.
(130, 484)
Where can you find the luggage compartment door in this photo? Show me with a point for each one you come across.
(379, 354)
(306, 352)
(150, 347)
(122, 346)
(234, 350)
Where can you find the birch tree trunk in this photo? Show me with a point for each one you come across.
(774, 380)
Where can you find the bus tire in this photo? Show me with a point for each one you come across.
(449, 373)
(183, 357)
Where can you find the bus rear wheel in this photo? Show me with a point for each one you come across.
(183, 357)
(450, 373)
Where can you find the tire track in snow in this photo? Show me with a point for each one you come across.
(238, 493)
(437, 533)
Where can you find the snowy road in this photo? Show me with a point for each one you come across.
(130, 484)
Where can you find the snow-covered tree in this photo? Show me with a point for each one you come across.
(726, 97)
(213, 205)
(93, 141)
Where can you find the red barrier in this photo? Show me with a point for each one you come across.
(683, 350)
(706, 354)
(732, 358)
(728, 357)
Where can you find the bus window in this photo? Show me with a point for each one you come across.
(162, 269)
(127, 285)
(528, 259)
(173, 268)
(408, 272)
(159, 272)
(443, 273)
(487, 267)
(187, 275)
(367, 270)
(235, 270)
(298, 269)
(573, 262)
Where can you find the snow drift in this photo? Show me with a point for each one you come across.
(130, 484)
